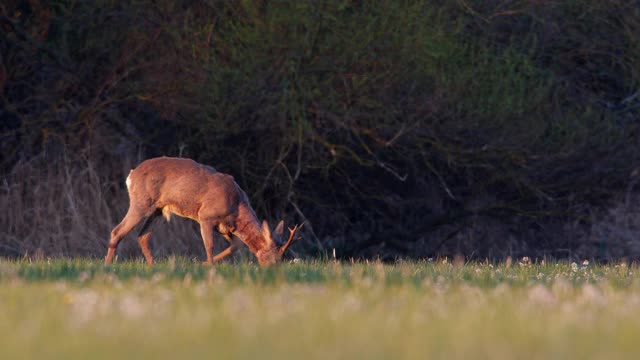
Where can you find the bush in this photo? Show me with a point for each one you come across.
(419, 128)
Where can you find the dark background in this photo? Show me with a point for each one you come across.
(399, 128)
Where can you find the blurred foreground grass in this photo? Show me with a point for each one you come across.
(81, 309)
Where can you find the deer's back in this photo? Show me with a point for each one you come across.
(183, 185)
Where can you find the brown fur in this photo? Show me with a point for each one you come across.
(165, 186)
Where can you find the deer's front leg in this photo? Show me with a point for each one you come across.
(233, 245)
(206, 230)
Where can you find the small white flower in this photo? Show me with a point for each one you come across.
(574, 267)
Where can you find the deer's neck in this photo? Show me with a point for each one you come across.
(248, 229)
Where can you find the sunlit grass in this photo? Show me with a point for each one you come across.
(320, 310)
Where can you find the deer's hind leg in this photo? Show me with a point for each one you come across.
(145, 234)
(133, 218)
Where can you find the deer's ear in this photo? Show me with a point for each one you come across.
(280, 228)
(266, 232)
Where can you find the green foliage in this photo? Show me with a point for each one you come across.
(371, 120)
(414, 273)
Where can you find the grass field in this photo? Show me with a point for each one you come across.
(318, 310)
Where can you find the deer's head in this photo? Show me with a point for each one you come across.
(272, 253)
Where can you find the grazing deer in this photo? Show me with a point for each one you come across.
(165, 186)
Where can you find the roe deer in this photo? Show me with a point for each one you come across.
(165, 186)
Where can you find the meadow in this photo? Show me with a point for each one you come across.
(79, 308)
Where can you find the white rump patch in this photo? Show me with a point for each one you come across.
(128, 182)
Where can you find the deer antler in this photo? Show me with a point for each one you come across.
(292, 237)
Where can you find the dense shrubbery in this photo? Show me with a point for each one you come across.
(431, 127)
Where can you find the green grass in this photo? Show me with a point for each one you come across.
(318, 310)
